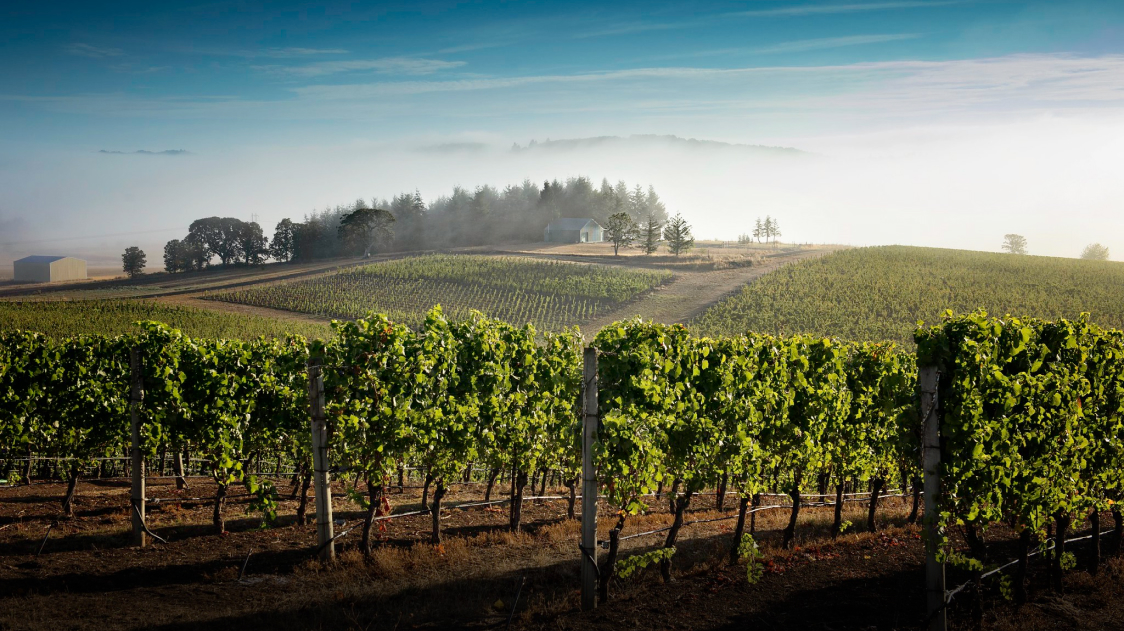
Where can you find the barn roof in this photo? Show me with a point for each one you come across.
(40, 258)
(571, 224)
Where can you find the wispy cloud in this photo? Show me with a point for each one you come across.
(823, 43)
(386, 65)
(284, 53)
(820, 9)
(93, 52)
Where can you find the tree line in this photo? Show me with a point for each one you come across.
(406, 222)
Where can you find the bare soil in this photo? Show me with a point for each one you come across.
(87, 576)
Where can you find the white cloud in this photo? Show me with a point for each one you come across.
(822, 9)
(386, 65)
(824, 43)
(93, 52)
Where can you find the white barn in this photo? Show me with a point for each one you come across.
(583, 230)
(46, 269)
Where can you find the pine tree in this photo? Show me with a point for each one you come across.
(621, 230)
(758, 230)
(651, 235)
(677, 233)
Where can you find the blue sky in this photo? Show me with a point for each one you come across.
(251, 81)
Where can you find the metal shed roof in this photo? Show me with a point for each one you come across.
(40, 258)
(571, 224)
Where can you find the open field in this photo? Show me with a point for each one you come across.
(86, 577)
(116, 317)
(880, 293)
(550, 294)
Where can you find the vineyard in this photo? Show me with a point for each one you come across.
(66, 318)
(880, 293)
(1032, 423)
(554, 295)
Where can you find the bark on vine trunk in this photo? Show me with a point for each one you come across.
(975, 542)
(609, 570)
(739, 530)
(542, 489)
(177, 469)
(220, 501)
(753, 516)
(680, 504)
(435, 509)
(374, 498)
(720, 495)
(916, 501)
(1059, 551)
(492, 475)
(1095, 553)
(572, 484)
(875, 489)
(1117, 529)
(790, 529)
(672, 495)
(302, 508)
(516, 513)
(1020, 570)
(425, 490)
(71, 491)
(837, 525)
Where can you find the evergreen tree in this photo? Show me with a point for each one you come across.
(283, 247)
(133, 261)
(651, 235)
(758, 230)
(677, 233)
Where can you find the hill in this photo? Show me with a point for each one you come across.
(880, 293)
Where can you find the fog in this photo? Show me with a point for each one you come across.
(1052, 178)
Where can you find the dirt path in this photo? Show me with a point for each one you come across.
(196, 302)
(693, 292)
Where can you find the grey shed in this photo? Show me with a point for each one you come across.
(573, 231)
(45, 269)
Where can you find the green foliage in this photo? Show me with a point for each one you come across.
(880, 293)
(752, 555)
(553, 295)
(637, 562)
(60, 319)
(1007, 587)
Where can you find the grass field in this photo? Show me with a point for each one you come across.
(552, 295)
(880, 293)
(113, 317)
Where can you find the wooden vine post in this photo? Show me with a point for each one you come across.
(930, 462)
(589, 480)
(325, 536)
(136, 398)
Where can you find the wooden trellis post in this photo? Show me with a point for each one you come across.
(325, 528)
(930, 461)
(136, 398)
(589, 481)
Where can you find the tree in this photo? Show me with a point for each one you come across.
(1014, 243)
(283, 246)
(651, 235)
(758, 230)
(219, 236)
(252, 243)
(365, 228)
(677, 233)
(175, 257)
(133, 261)
(1095, 252)
(622, 231)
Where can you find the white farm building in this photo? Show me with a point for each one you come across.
(573, 231)
(46, 269)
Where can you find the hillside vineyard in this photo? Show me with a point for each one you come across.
(1032, 411)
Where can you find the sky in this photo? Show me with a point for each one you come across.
(931, 122)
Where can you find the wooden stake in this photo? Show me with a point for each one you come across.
(589, 481)
(324, 526)
(930, 462)
(137, 495)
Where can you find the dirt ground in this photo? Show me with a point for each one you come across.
(87, 576)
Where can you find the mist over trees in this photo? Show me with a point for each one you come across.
(484, 216)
